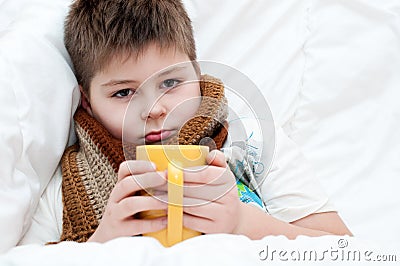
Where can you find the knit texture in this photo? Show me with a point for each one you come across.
(90, 167)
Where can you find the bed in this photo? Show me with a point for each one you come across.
(329, 70)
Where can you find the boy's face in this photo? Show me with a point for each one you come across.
(145, 112)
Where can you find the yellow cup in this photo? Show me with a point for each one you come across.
(173, 158)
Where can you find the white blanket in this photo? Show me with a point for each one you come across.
(218, 249)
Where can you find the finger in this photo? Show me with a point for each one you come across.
(133, 167)
(130, 185)
(162, 190)
(143, 226)
(190, 203)
(216, 158)
(211, 175)
(193, 202)
(133, 205)
(203, 209)
(186, 201)
(199, 224)
(208, 192)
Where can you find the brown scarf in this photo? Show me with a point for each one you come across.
(90, 167)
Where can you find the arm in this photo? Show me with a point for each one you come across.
(316, 224)
(215, 207)
(327, 221)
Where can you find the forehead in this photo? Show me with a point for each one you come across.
(152, 63)
(145, 62)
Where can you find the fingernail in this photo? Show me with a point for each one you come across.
(154, 165)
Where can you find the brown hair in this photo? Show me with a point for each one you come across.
(97, 30)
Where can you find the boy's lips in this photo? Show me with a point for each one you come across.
(158, 135)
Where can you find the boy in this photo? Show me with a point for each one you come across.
(115, 47)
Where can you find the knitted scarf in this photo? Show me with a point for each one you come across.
(90, 167)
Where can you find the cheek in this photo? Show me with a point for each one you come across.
(183, 111)
(187, 101)
(134, 126)
(110, 118)
(112, 124)
(192, 106)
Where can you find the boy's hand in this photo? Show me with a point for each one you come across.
(211, 201)
(118, 217)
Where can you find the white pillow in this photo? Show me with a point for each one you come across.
(38, 96)
(348, 118)
(261, 39)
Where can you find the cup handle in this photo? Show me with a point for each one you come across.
(175, 202)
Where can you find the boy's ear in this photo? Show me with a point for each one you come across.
(85, 102)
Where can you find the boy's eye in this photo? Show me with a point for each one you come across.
(169, 83)
(123, 93)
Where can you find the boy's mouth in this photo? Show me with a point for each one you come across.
(158, 135)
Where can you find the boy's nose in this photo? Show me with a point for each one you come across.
(156, 111)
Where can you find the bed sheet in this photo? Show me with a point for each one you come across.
(219, 249)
